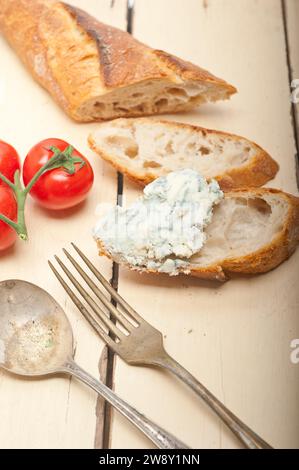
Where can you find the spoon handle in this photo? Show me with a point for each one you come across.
(161, 438)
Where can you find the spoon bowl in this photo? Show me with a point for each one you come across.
(35, 335)
(36, 339)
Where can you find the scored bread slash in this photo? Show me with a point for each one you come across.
(98, 72)
(145, 149)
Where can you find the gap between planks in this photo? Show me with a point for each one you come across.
(106, 361)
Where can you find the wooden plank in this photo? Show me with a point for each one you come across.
(291, 14)
(234, 337)
(59, 412)
(292, 19)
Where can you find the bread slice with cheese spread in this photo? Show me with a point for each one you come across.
(145, 149)
(252, 231)
(98, 72)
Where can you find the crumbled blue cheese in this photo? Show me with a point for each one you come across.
(162, 229)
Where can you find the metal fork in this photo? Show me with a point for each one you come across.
(139, 343)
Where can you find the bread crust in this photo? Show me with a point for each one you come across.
(270, 255)
(258, 171)
(260, 261)
(20, 24)
(96, 60)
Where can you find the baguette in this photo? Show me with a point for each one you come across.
(97, 72)
(252, 231)
(145, 149)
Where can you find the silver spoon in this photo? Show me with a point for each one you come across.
(36, 339)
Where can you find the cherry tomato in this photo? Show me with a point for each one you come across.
(9, 161)
(57, 189)
(8, 207)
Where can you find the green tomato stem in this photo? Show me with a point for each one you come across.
(60, 159)
(20, 194)
(47, 167)
(7, 181)
(5, 219)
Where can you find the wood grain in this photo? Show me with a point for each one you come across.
(59, 412)
(291, 19)
(235, 337)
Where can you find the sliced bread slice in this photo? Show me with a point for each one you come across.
(145, 149)
(252, 231)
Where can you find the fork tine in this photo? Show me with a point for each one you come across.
(107, 339)
(100, 294)
(114, 294)
(102, 315)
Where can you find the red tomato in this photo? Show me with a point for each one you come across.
(57, 189)
(9, 161)
(8, 207)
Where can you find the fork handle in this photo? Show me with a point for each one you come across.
(161, 438)
(248, 437)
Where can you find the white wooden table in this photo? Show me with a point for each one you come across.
(235, 337)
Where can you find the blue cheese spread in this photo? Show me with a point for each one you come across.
(162, 229)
